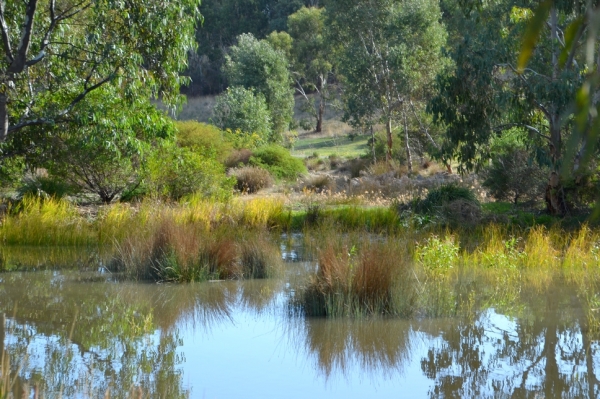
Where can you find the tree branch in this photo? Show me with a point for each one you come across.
(528, 127)
(60, 117)
(20, 58)
(4, 32)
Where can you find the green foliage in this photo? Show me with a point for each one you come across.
(515, 177)
(254, 64)
(219, 32)
(103, 155)
(174, 172)
(203, 137)
(388, 52)
(69, 51)
(437, 256)
(278, 161)
(443, 195)
(243, 110)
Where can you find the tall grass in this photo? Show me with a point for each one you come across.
(368, 279)
(187, 252)
(37, 221)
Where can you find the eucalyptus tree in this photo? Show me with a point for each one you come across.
(311, 58)
(56, 52)
(388, 52)
(255, 64)
(490, 91)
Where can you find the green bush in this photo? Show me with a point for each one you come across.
(443, 195)
(278, 161)
(515, 177)
(173, 172)
(243, 112)
(202, 136)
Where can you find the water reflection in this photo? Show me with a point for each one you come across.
(78, 334)
(373, 346)
(497, 356)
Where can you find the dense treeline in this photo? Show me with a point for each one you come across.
(507, 88)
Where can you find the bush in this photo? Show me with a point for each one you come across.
(515, 177)
(174, 172)
(238, 157)
(319, 184)
(278, 161)
(202, 136)
(251, 179)
(442, 196)
(40, 185)
(242, 109)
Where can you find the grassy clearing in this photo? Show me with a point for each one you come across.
(325, 146)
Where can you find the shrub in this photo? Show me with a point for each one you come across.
(41, 185)
(278, 161)
(202, 136)
(251, 179)
(238, 157)
(319, 184)
(443, 195)
(174, 172)
(244, 110)
(515, 177)
(355, 166)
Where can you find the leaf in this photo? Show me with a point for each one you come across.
(532, 34)
(570, 37)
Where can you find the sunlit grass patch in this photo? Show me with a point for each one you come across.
(38, 221)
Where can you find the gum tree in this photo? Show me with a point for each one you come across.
(491, 90)
(56, 52)
(256, 65)
(388, 52)
(311, 57)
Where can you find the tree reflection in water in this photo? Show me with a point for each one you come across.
(546, 352)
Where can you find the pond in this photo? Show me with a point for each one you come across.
(77, 334)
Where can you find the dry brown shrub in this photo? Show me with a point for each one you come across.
(238, 157)
(251, 179)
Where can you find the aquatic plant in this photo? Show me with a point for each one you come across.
(368, 279)
(187, 252)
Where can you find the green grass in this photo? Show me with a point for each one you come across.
(326, 146)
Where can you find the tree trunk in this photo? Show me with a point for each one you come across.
(320, 113)
(3, 117)
(373, 144)
(388, 153)
(555, 196)
(407, 144)
(321, 110)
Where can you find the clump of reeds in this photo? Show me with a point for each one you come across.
(368, 279)
(37, 221)
(187, 252)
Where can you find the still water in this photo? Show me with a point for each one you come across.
(75, 334)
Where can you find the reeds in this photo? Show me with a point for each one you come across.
(186, 252)
(367, 279)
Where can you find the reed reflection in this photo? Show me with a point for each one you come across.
(376, 347)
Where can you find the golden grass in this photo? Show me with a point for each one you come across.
(187, 252)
